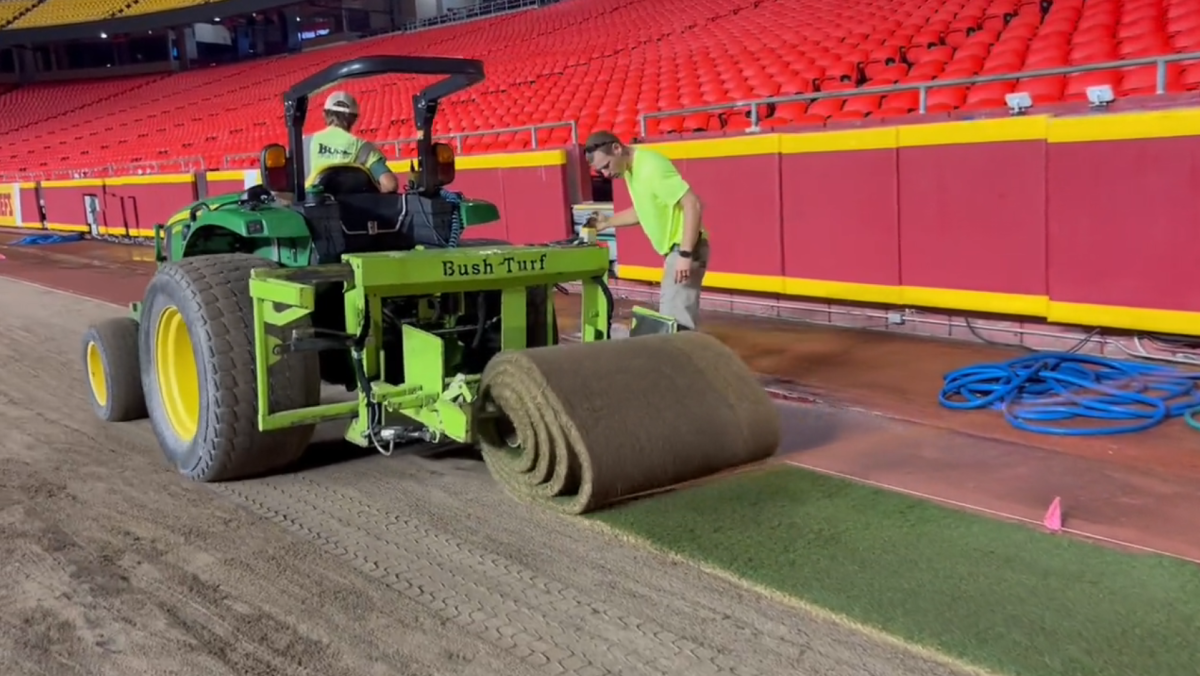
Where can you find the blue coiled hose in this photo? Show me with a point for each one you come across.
(1052, 387)
(456, 221)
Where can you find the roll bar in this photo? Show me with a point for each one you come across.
(461, 74)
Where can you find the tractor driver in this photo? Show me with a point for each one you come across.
(335, 144)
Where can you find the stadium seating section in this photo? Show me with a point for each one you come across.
(602, 63)
(57, 12)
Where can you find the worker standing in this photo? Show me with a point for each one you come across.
(669, 213)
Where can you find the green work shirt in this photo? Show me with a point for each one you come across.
(655, 187)
(334, 145)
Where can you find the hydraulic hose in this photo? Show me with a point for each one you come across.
(1036, 391)
(456, 220)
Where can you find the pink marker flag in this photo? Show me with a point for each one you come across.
(1053, 521)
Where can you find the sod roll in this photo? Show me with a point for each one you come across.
(579, 426)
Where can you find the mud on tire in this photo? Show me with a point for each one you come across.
(212, 295)
(115, 342)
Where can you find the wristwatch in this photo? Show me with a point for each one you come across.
(685, 254)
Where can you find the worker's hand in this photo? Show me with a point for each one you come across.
(683, 270)
(602, 222)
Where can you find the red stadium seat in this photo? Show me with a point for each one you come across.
(791, 111)
(884, 72)
(862, 104)
(989, 92)
(1144, 80)
(906, 101)
(847, 116)
(826, 107)
(952, 97)
(1042, 89)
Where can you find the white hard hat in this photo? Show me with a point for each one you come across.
(341, 102)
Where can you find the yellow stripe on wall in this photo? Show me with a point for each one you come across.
(1131, 318)
(150, 179)
(1074, 129)
(880, 138)
(1124, 126)
(1109, 316)
(226, 175)
(736, 146)
(133, 232)
(75, 183)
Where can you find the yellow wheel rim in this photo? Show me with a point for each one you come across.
(95, 369)
(176, 372)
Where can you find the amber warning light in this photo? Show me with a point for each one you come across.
(274, 168)
(276, 157)
(445, 163)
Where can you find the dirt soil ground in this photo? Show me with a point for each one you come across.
(111, 564)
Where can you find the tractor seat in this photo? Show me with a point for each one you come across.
(346, 179)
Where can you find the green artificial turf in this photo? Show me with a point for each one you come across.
(998, 595)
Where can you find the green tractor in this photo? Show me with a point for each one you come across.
(260, 297)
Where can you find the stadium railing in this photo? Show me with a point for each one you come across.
(458, 137)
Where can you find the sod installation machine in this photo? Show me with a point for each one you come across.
(261, 296)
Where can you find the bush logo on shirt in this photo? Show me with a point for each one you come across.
(330, 151)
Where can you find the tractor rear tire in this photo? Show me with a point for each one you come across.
(110, 359)
(198, 372)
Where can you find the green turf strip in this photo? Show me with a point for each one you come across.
(998, 595)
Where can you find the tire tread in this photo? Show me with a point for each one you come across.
(230, 443)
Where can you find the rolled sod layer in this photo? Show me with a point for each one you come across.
(579, 426)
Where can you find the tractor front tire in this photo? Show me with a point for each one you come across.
(198, 372)
(110, 359)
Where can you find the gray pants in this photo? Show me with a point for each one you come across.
(682, 301)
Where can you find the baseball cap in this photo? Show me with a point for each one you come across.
(341, 102)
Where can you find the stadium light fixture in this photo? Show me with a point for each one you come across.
(1100, 96)
(1018, 102)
